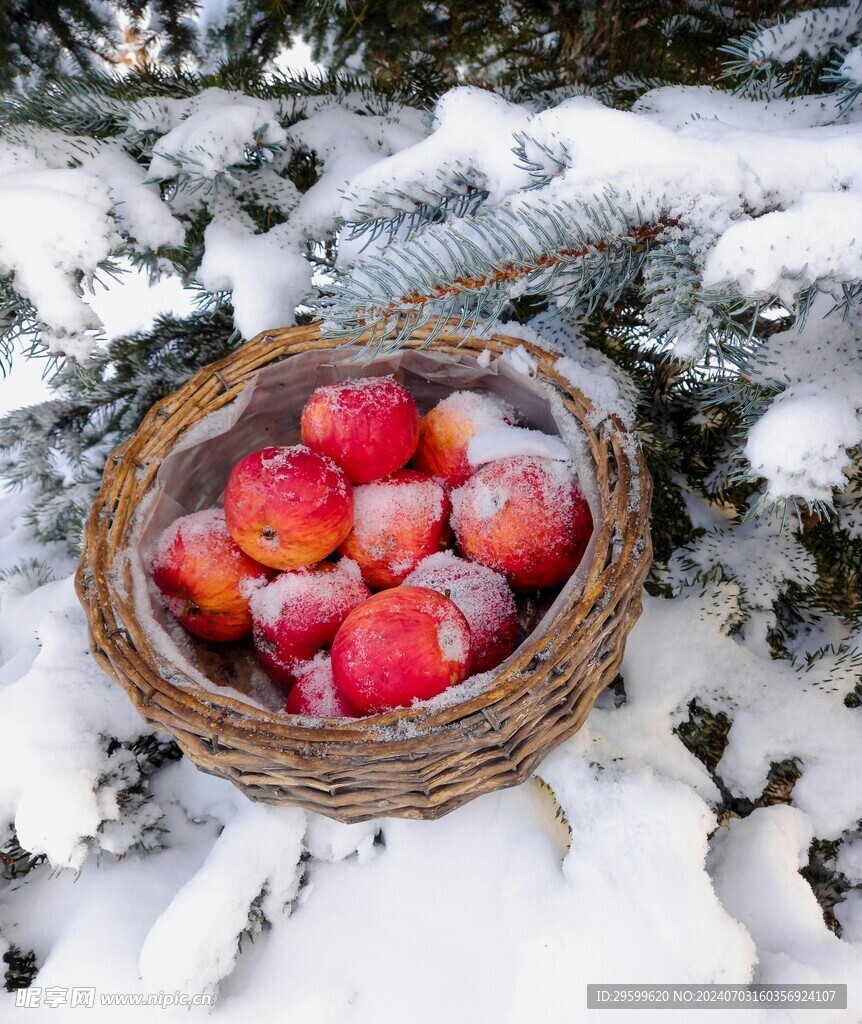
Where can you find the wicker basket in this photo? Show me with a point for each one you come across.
(413, 762)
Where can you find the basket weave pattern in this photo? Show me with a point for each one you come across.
(431, 761)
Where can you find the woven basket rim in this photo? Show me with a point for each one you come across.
(229, 716)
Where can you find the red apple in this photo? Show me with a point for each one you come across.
(315, 694)
(446, 430)
(300, 612)
(484, 597)
(526, 517)
(288, 507)
(368, 425)
(204, 578)
(396, 523)
(402, 645)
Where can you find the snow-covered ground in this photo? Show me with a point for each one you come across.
(493, 913)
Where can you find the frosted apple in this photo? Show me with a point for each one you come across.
(300, 612)
(368, 425)
(484, 597)
(445, 433)
(288, 507)
(396, 523)
(526, 517)
(315, 694)
(401, 645)
(204, 578)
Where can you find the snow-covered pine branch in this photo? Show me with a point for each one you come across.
(472, 270)
(812, 34)
(213, 182)
(724, 212)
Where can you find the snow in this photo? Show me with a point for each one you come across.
(216, 129)
(600, 388)
(849, 861)
(678, 105)
(472, 122)
(851, 67)
(777, 712)
(636, 891)
(347, 143)
(138, 207)
(453, 642)
(519, 358)
(800, 443)
(812, 32)
(815, 239)
(503, 440)
(53, 224)
(755, 870)
(193, 944)
(758, 556)
(54, 711)
(267, 277)
(849, 916)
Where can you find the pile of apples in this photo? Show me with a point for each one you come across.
(261, 565)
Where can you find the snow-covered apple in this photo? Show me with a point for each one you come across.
(315, 694)
(445, 433)
(401, 645)
(368, 425)
(288, 506)
(299, 613)
(204, 578)
(484, 597)
(526, 517)
(396, 523)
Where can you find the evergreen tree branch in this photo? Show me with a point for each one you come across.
(578, 257)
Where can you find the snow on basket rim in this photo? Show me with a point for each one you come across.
(413, 762)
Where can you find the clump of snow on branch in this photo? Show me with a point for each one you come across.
(473, 132)
(801, 444)
(54, 224)
(851, 66)
(813, 33)
(58, 783)
(213, 133)
(755, 866)
(814, 240)
(758, 555)
(256, 859)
